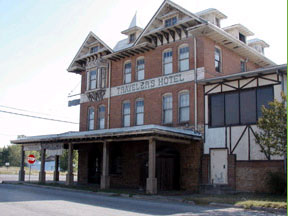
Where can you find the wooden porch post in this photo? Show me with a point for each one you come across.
(42, 174)
(105, 179)
(22, 171)
(70, 176)
(56, 171)
(151, 184)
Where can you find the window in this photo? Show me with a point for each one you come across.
(242, 38)
(184, 58)
(101, 117)
(264, 96)
(217, 110)
(170, 21)
(184, 113)
(239, 107)
(94, 49)
(103, 78)
(140, 112)
(232, 108)
(92, 79)
(127, 73)
(217, 59)
(91, 118)
(167, 62)
(131, 38)
(140, 69)
(126, 114)
(167, 109)
(243, 65)
(217, 22)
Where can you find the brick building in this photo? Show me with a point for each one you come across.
(143, 106)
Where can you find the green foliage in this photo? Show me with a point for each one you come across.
(64, 160)
(10, 154)
(272, 137)
(277, 183)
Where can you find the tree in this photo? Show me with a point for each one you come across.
(272, 137)
(64, 160)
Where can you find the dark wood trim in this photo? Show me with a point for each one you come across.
(239, 139)
(249, 144)
(178, 30)
(249, 83)
(166, 35)
(172, 33)
(160, 37)
(212, 89)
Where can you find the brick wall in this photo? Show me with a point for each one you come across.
(252, 176)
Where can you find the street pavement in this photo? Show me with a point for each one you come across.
(34, 178)
(36, 201)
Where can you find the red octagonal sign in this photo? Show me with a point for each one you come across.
(31, 159)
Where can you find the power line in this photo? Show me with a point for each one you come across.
(38, 117)
(14, 108)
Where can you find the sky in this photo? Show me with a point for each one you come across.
(39, 39)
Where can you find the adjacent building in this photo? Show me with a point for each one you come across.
(171, 107)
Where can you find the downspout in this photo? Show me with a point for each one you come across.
(195, 86)
(109, 96)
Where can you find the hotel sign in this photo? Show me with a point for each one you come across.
(158, 82)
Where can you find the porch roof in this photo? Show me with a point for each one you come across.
(112, 135)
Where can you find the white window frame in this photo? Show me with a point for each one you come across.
(137, 69)
(183, 59)
(166, 63)
(181, 107)
(126, 114)
(91, 121)
(139, 113)
(220, 60)
(126, 73)
(90, 80)
(164, 111)
(100, 117)
(91, 49)
(170, 18)
(103, 79)
(245, 65)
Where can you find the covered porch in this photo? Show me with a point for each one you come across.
(149, 157)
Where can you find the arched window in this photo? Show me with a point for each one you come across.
(183, 58)
(184, 107)
(218, 59)
(167, 107)
(91, 118)
(101, 117)
(167, 62)
(126, 113)
(140, 69)
(127, 72)
(139, 112)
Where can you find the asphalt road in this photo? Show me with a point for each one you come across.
(13, 177)
(34, 201)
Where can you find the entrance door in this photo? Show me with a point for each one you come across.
(218, 159)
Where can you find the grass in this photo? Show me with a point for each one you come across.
(15, 171)
(246, 200)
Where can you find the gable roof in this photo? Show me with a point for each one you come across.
(91, 34)
(178, 7)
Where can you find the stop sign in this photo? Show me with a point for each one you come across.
(31, 159)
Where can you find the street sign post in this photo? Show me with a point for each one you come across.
(31, 160)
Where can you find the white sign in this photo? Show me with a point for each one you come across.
(158, 82)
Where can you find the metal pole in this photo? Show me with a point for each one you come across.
(29, 171)
(195, 85)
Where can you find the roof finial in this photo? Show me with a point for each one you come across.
(134, 21)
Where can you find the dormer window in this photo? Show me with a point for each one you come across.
(171, 21)
(242, 38)
(132, 38)
(94, 49)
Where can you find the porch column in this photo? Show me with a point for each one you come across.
(56, 171)
(22, 171)
(42, 174)
(105, 179)
(69, 175)
(151, 184)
